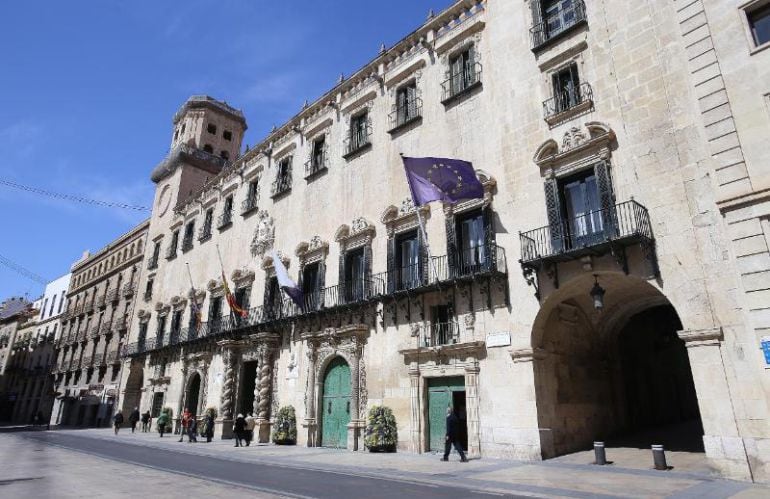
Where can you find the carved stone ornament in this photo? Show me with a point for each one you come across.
(360, 226)
(242, 276)
(314, 249)
(142, 313)
(267, 261)
(573, 137)
(178, 302)
(264, 235)
(592, 140)
(161, 308)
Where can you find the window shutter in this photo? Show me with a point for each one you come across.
(490, 239)
(367, 270)
(321, 282)
(391, 264)
(424, 259)
(606, 197)
(538, 32)
(451, 244)
(553, 206)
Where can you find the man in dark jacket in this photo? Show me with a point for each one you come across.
(133, 418)
(239, 428)
(452, 436)
(118, 421)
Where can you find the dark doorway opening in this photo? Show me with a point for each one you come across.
(248, 385)
(192, 394)
(458, 403)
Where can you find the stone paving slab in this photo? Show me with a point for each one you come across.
(553, 478)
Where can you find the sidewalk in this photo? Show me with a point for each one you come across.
(554, 478)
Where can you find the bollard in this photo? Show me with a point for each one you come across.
(599, 453)
(659, 457)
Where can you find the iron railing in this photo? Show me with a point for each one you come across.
(316, 164)
(567, 14)
(105, 328)
(440, 333)
(225, 219)
(567, 99)
(357, 140)
(249, 204)
(129, 289)
(457, 83)
(624, 220)
(281, 184)
(112, 295)
(205, 233)
(406, 113)
(466, 264)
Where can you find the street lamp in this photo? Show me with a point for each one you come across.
(597, 294)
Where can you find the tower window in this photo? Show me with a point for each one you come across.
(184, 125)
(227, 135)
(208, 149)
(759, 23)
(225, 155)
(211, 128)
(176, 135)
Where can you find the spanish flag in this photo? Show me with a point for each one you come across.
(230, 297)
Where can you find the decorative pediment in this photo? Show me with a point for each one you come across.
(162, 308)
(361, 231)
(315, 249)
(215, 286)
(404, 217)
(267, 261)
(142, 314)
(593, 140)
(264, 234)
(178, 302)
(242, 277)
(200, 295)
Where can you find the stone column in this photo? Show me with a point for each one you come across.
(255, 405)
(228, 391)
(263, 410)
(415, 441)
(472, 408)
(724, 445)
(533, 442)
(310, 422)
(354, 427)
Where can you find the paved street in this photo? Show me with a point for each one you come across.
(141, 464)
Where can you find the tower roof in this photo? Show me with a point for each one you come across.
(205, 101)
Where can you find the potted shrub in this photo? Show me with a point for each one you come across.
(381, 431)
(203, 427)
(285, 427)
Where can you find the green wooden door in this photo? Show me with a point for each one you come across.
(439, 398)
(335, 414)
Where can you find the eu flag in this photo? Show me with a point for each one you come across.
(441, 179)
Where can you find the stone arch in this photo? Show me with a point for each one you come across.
(196, 396)
(620, 374)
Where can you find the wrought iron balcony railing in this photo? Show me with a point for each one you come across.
(105, 328)
(187, 243)
(460, 82)
(566, 100)
(571, 238)
(249, 204)
(281, 184)
(440, 333)
(404, 114)
(567, 15)
(225, 220)
(205, 233)
(468, 264)
(128, 290)
(358, 140)
(316, 164)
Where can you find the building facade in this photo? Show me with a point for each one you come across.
(99, 303)
(612, 280)
(14, 314)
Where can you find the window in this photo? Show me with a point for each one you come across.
(407, 261)
(581, 207)
(224, 155)
(408, 107)
(359, 132)
(148, 290)
(443, 328)
(311, 285)
(227, 135)
(42, 309)
(208, 219)
(215, 312)
(250, 203)
(153, 264)
(317, 161)
(759, 24)
(282, 182)
(273, 300)
(227, 213)
(157, 404)
(464, 73)
(471, 242)
(173, 246)
(189, 231)
(184, 125)
(207, 148)
(566, 88)
(355, 270)
(176, 135)
(61, 302)
(242, 298)
(142, 332)
(211, 128)
(551, 18)
(161, 331)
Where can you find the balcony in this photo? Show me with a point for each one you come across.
(113, 295)
(128, 290)
(171, 253)
(404, 115)
(249, 204)
(225, 220)
(443, 271)
(557, 23)
(93, 332)
(593, 233)
(461, 83)
(358, 141)
(79, 309)
(568, 103)
(317, 163)
(101, 301)
(105, 328)
(205, 233)
(152, 263)
(187, 243)
(281, 185)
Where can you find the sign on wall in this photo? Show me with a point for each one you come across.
(765, 345)
(499, 339)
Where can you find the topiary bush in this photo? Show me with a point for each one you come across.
(285, 427)
(381, 431)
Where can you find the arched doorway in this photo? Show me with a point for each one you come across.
(335, 404)
(133, 393)
(192, 395)
(620, 375)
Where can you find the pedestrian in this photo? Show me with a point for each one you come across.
(163, 420)
(146, 418)
(118, 421)
(209, 429)
(133, 419)
(192, 430)
(452, 436)
(185, 421)
(249, 433)
(239, 429)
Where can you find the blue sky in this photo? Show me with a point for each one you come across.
(88, 90)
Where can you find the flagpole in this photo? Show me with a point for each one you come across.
(424, 232)
(194, 300)
(222, 266)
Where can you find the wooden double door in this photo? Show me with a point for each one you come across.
(443, 393)
(335, 409)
